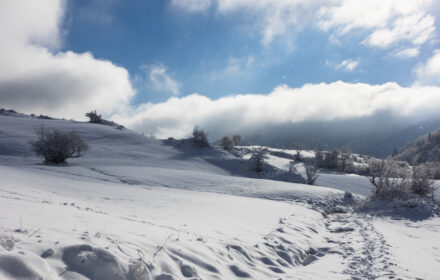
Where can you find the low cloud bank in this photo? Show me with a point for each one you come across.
(312, 102)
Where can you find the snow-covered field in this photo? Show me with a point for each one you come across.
(141, 208)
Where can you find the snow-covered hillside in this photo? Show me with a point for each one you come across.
(141, 208)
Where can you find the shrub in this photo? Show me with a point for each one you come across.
(236, 138)
(359, 169)
(94, 117)
(433, 170)
(311, 171)
(420, 184)
(344, 159)
(57, 146)
(227, 143)
(392, 180)
(200, 138)
(335, 160)
(330, 160)
(258, 159)
(387, 182)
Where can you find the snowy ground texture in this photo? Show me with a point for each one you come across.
(139, 208)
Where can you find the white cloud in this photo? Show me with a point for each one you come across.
(235, 67)
(275, 18)
(25, 22)
(347, 65)
(321, 102)
(160, 81)
(35, 78)
(415, 28)
(429, 72)
(238, 65)
(384, 22)
(407, 53)
(192, 5)
(387, 22)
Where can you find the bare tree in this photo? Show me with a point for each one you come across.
(200, 138)
(298, 148)
(236, 138)
(258, 159)
(94, 117)
(319, 156)
(57, 146)
(311, 171)
(227, 143)
(344, 159)
(376, 171)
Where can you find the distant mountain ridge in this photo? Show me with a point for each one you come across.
(423, 150)
(377, 137)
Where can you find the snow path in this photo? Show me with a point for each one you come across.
(365, 250)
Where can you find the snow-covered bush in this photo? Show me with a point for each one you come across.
(389, 181)
(334, 160)
(433, 169)
(311, 171)
(420, 183)
(344, 159)
(200, 138)
(258, 160)
(392, 180)
(94, 117)
(227, 144)
(330, 160)
(56, 146)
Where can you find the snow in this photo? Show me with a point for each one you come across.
(415, 246)
(122, 219)
(141, 208)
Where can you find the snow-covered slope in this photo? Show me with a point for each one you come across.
(141, 208)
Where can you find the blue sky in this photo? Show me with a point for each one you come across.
(217, 54)
(163, 66)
